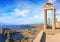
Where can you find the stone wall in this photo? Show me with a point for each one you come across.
(39, 37)
(57, 24)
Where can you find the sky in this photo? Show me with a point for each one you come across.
(16, 12)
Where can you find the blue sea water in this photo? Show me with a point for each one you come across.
(17, 27)
(14, 36)
(2, 38)
(17, 36)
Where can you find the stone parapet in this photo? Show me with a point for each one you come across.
(38, 37)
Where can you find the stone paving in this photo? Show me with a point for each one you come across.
(53, 38)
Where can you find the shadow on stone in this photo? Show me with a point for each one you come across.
(43, 38)
(49, 27)
(57, 28)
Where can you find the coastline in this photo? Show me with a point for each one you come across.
(28, 33)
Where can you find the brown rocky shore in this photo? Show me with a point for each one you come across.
(30, 34)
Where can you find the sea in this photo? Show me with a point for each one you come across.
(17, 27)
(14, 27)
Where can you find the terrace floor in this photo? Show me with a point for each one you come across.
(53, 38)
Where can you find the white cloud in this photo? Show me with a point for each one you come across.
(51, 1)
(35, 16)
(38, 18)
(18, 12)
(58, 15)
(49, 14)
(58, 12)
